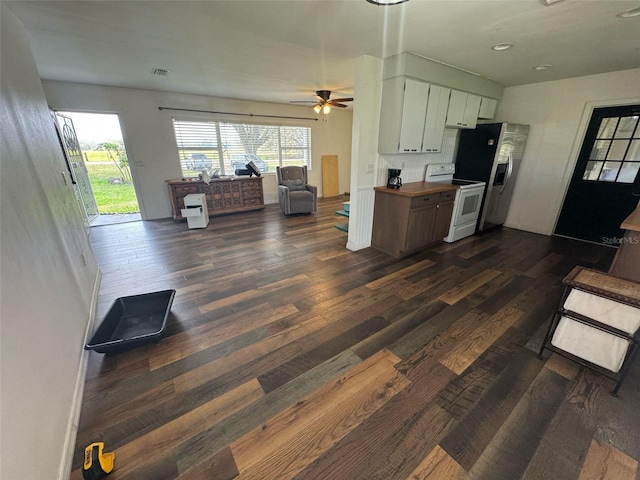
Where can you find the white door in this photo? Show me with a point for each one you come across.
(77, 167)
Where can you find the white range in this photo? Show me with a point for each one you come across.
(466, 206)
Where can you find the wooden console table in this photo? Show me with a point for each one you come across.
(224, 195)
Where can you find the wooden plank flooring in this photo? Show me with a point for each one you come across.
(288, 356)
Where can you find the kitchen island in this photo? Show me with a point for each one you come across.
(626, 263)
(412, 217)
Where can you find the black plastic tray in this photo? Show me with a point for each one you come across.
(132, 321)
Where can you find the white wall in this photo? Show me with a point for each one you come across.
(558, 113)
(46, 285)
(151, 145)
(365, 161)
(413, 165)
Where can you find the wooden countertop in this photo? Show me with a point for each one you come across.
(632, 222)
(417, 189)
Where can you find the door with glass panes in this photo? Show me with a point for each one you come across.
(605, 184)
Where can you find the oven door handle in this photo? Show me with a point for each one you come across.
(508, 176)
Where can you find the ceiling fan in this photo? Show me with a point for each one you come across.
(325, 103)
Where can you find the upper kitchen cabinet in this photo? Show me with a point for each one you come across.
(487, 108)
(414, 106)
(463, 110)
(404, 106)
(465, 97)
(435, 118)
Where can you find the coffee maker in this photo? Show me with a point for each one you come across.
(393, 179)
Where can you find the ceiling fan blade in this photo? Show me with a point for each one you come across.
(339, 105)
(303, 101)
(342, 100)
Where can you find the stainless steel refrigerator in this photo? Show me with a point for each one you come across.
(492, 153)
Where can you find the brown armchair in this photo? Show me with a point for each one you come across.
(295, 195)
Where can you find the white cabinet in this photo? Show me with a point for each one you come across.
(435, 119)
(471, 110)
(463, 110)
(393, 118)
(488, 108)
(414, 106)
(412, 116)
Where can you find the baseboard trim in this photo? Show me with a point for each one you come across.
(355, 247)
(76, 405)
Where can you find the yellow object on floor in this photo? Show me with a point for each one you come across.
(97, 464)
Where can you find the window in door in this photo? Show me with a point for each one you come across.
(615, 153)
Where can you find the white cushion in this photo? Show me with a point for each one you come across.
(617, 315)
(591, 344)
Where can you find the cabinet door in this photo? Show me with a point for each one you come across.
(420, 227)
(487, 108)
(443, 220)
(471, 111)
(252, 193)
(455, 112)
(436, 118)
(463, 110)
(414, 108)
(391, 115)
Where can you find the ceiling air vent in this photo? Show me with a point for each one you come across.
(160, 71)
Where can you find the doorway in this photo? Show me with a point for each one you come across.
(100, 167)
(605, 183)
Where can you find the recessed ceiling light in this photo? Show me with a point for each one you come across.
(543, 67)
(634, 12)
(502, 46)
(549, 2)
(386, 2)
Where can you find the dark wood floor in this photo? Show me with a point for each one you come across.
(288, 356)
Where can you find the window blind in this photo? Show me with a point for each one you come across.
(231, 145)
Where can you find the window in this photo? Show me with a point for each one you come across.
(205, 145)
(615, 155)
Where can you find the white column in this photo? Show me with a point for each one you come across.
(364, 149)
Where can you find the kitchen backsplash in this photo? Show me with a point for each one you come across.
(413, 165)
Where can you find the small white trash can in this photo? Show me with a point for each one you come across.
(195, 210)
